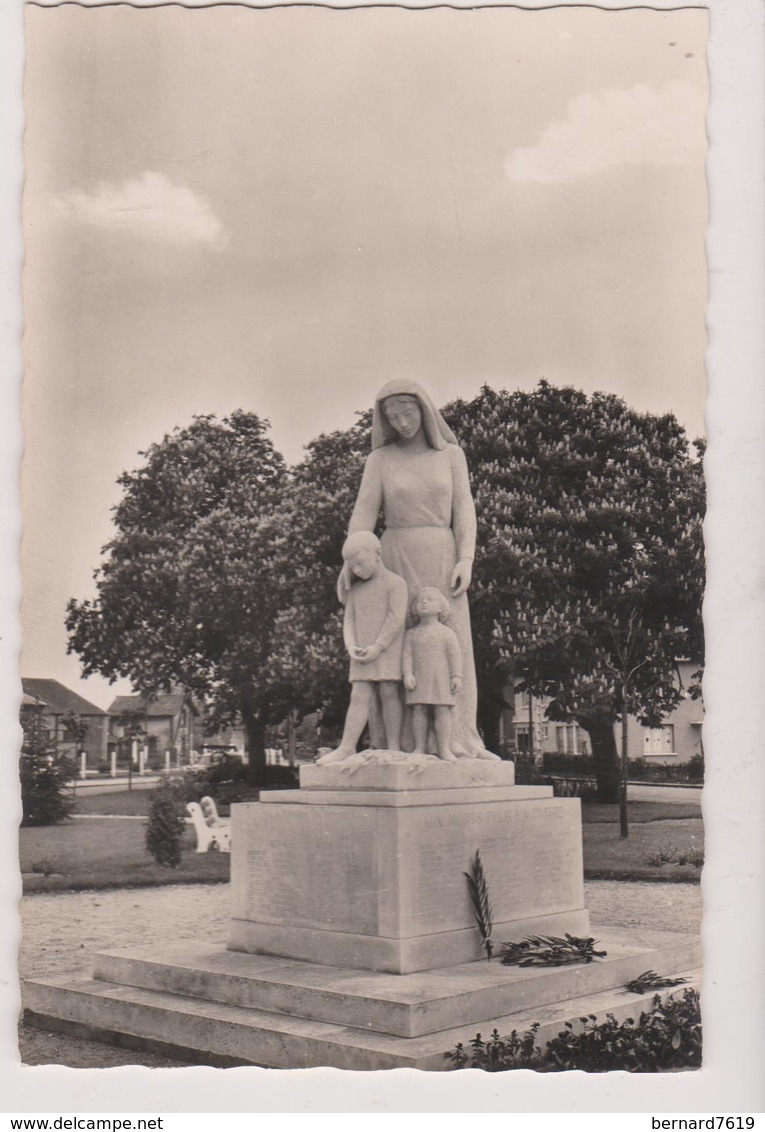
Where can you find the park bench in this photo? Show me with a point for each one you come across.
(211, 831)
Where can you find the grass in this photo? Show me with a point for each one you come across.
(107, 854)
(652, 851)
(131, 803)
(111, 854)
(593, 813)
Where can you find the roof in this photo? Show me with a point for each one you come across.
(57, 699)
(166, 703)
(32, 701)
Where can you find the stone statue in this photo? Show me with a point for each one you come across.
(432, 668)
(417, 476)
(373, 631)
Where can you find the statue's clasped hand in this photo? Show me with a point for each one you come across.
(461, 577)
(368, 654)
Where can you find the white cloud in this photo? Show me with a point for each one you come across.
(616, 127)
(149, 207)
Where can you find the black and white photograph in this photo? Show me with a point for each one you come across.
(368, 440)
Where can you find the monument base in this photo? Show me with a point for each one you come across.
(365, 866)
(216, 1007)
(362, 873)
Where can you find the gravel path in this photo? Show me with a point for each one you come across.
(60, 932)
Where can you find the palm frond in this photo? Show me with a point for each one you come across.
(649, 980)
(478, 891)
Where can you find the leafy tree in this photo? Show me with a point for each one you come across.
(45, 772)
(589, 580)
(74, 729)
(316, 506)
(186, 594)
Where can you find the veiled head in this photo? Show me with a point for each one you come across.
(394, 402)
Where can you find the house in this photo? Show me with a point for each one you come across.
(676, 740)
(167, 722)
(57, 703)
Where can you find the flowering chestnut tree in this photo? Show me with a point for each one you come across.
(589, 580)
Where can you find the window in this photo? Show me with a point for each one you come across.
(659, 740)
(522, 736)
(568, 739)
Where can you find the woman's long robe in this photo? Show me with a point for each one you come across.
(430, 525)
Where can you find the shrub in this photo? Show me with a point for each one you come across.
(639, 769)
(527, 773)
(45, 774)
(226, 781)
(644, 771)
(227, 770)
(42, 868)
(191, 783)
(695, 768)
(558, 763)
(671, 855)
(668, 1036)
(517, 1051)
(167, 823)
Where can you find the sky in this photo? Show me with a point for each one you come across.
(279, 210)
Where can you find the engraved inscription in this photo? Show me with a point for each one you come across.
(531, 855)
(306, 868)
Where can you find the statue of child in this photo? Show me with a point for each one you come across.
(432, 671)
(373, 631)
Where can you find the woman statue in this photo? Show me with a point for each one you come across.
(417, 476)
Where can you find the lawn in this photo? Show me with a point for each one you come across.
(653, 850)
(92, 853)
(108, 853)
(132, 803)
(639, 812)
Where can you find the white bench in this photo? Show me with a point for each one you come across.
(211, 831)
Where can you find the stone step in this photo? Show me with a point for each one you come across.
(214, 1032)
(404, 1005)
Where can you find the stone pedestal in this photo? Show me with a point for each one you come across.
(345, 886)
(364, 866)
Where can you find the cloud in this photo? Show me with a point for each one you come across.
(150, 208)
(637, 126)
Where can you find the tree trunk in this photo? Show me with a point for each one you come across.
(491, 702)
(604, 753)
(256, 748)
(488, 724)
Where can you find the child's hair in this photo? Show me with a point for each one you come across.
(360, 540)
(444, 608)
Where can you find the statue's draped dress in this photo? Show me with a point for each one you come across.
(429, 525)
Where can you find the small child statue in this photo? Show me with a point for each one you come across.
(373, 631)
(432, 671)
